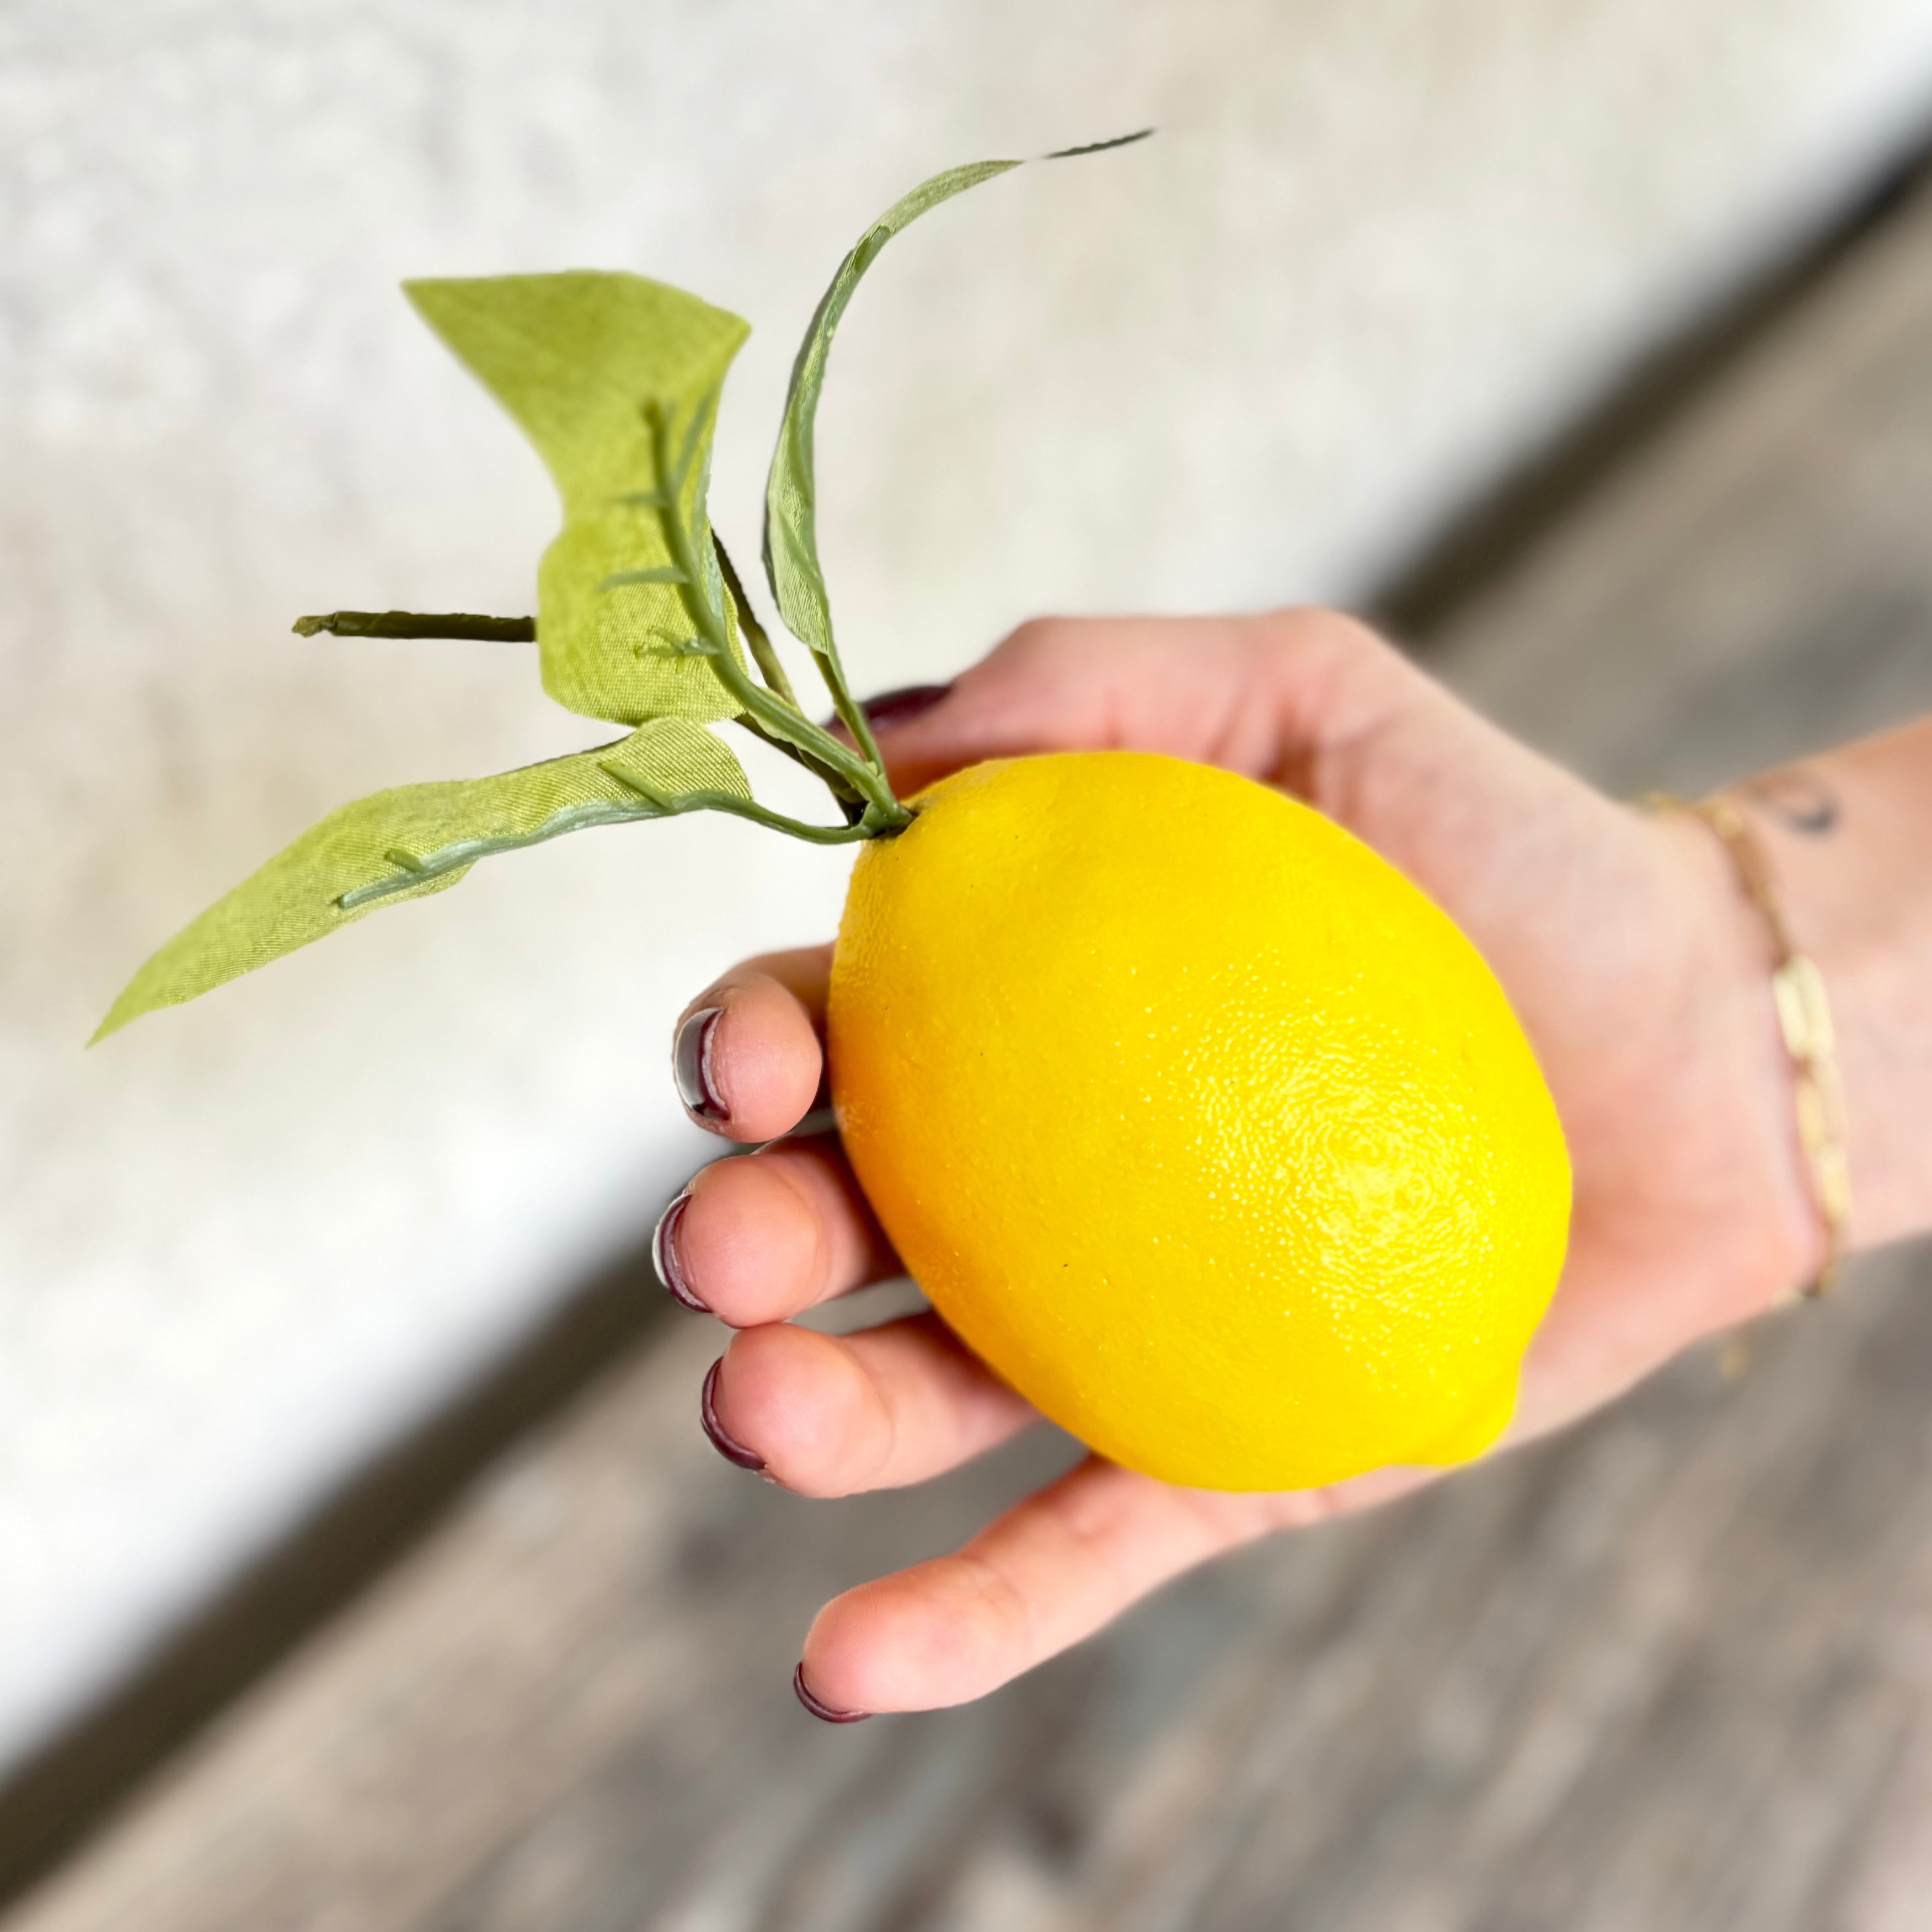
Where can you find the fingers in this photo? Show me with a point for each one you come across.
(747, 1054)
(760, 1236)
(1259, 695)
(830, 1415)
(1051, 1570)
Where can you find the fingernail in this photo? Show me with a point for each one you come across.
(663, 1255)
(893, 708)
(900, 707)
(690, 1065)
(828, 1714)
(707, 1416)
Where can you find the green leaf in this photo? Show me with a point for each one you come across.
(791, 491)
(421, 838)
(791, 505)
(580, 359)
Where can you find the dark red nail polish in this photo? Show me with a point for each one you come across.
(664, 1258)
(707, 1416)
(690, 1065)
(893, 708)
(827, 1713)
(901, 706)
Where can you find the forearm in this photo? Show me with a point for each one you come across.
(1849, 835)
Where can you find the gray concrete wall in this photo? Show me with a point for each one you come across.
(1379, 246)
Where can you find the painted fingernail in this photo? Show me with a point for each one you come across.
(828, 1714)
(900, 707)
(690, 1065)
(893, 708)
(665, 1258)
(732, 1450)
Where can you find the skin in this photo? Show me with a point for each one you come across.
(1638, 971)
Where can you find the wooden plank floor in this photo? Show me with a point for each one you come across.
(1672, 1671)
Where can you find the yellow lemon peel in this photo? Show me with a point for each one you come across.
(1197, 1120)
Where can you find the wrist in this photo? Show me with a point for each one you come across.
(1787, 1240)
(1845, 833)
(1803, 1012)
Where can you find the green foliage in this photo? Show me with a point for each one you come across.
(792, 564)
(579, 359)
(615, 381)
(791, 493)
(421, 838)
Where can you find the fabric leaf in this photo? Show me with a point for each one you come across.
(421, 838)
(791, 508)
(578, 359)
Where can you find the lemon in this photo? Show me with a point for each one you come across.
(1196, 1120)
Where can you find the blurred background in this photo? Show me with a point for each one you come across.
(1401, 286)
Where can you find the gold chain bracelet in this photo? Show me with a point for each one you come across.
(1804, 1018)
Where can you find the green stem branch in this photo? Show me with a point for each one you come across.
(884, 815)
(763, 654)
(759, 814)
(851, 801)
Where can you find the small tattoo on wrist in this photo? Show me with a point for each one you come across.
(1799, 800)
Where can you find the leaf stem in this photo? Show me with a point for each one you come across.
(884, 815)
(851, 801)
(675, 805)
(759, 814)
(417, 624)
(756, 637)
(852, 715)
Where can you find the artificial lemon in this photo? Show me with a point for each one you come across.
(1196, 1119)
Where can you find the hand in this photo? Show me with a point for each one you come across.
(1636, 968)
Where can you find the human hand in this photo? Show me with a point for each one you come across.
(1637, 972)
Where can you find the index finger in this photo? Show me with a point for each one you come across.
(748, 1054)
